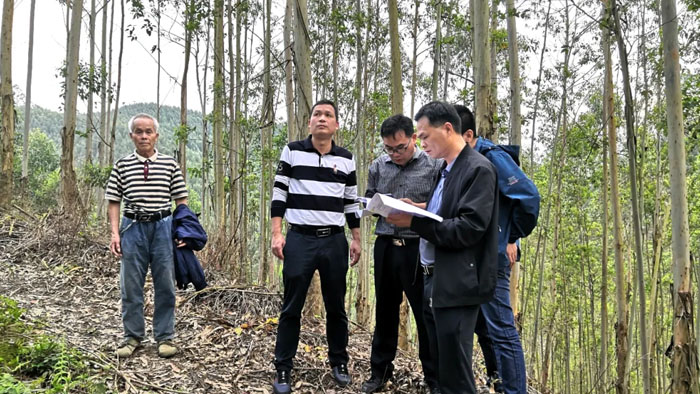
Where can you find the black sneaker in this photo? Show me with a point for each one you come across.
(341, 375)
(373, 385)
(282, 385)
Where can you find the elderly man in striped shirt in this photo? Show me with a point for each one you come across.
(146, 181)
(315, 190)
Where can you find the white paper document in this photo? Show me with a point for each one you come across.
(383, 205)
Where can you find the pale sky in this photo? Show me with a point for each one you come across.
(138, 67)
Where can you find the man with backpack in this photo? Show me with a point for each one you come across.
(519, 204)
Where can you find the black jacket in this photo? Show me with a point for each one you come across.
(466, 242)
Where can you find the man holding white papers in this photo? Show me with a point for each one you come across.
(403, 172)
(458, 255)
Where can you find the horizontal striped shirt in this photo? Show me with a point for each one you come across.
(146, 184)
(314, 189)
(414, 180)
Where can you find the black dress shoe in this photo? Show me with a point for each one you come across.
(341, 375)
(373, 385)
(282, 385)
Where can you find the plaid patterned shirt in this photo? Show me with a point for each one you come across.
(415, 180)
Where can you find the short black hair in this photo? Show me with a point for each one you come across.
(439, 113)
(326, 102)
(467, 118)
(394, 123)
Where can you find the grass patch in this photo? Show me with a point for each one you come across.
(30, 362)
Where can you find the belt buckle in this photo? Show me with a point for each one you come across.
(398, 242)
(323, 232)
(143, 217)
(427, 270)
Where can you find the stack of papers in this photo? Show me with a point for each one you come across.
(383, 205)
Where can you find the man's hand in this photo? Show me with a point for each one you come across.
(400, 219)
(180, 243)
(355, 251)
(420, 205)
(278, 243)
(115, 245)
(512, 253)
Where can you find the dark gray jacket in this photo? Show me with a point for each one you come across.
(466, 242)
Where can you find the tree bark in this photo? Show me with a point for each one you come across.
(482, 66)
(414, 60)
(632, 155)
(184, 130)
(69, 184)
(289, 73)
(396, 80)
(218, 117)
(267, 121)
(684, 358)
(89, 123)
(621, 329)
(7, 105)
(28, 99)
(437, 49)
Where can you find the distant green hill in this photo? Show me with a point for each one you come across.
(51, 122)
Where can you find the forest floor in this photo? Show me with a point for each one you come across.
(66, 278)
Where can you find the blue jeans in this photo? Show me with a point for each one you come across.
(500, 326)
(147, 244)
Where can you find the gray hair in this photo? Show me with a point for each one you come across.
(143, 116)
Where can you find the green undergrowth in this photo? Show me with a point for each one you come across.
(31, 362)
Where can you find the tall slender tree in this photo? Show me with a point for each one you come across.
(28, 97)
(7, 105)
(396, 80)
(89, 121)
(218, 116)
(437, 49)
(482, 68)
(684, 357)
(69, 183)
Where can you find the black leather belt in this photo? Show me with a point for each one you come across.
(427, 270)
(148, 216)
(316, 231)
(400, 241)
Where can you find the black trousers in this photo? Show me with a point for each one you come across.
(451, 333)
(303, 255)
(396, 272)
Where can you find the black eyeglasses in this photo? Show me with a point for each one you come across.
(145, 170)
(398, 150)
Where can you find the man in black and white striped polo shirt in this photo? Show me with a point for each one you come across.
(315, 190)
(146, 181)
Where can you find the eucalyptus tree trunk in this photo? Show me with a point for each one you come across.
(241, 189)
(236, 247)
(414, 59)
(448, 58)
(437, 49)
(182, 135)
(28, 99)
(538, 89)
(218, 117)
(89, 122)
(158, 65)
(632, 155)
(621, 328)
(112, 142)
(7, 105)
(302, 61)
(685, 357)
(602, 373)
(493, 71)
(109, 146)
(396, 80)
(482, 69)
(104, 108)
(292, 135)
(362, 296)
(202, 90)
(515, 121)
(69, 183)
(335, 48)
(267, 121)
